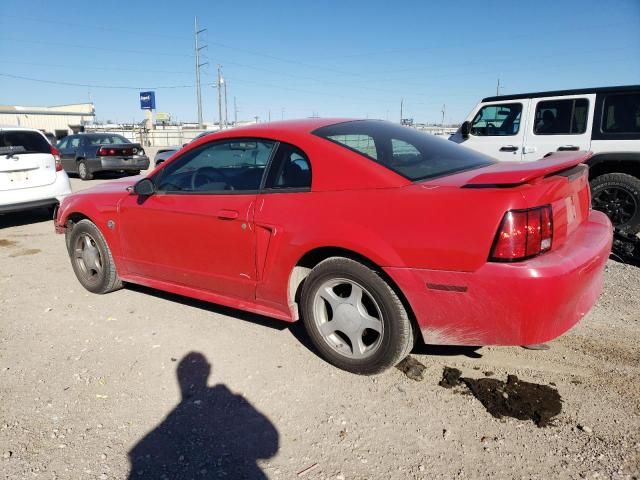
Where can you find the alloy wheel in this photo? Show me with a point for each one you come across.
(348, 318)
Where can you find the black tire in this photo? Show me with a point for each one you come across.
(397, 337)
(105, 279)
(133, 173)
(83, 171)
(618, 195)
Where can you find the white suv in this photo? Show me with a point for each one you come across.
(31, 174)
(604, 120)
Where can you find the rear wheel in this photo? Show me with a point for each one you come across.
(83, 171)
(91, 258)
(354, 318)
(618, 195)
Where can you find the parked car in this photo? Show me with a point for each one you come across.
(164, 153)
(604, 120)
(31, 174)
(88, 153)
(373, 233)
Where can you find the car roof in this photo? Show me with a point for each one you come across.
(560, 93)
(24, 129)
(304, 125)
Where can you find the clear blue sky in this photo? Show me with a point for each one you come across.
(331, 58)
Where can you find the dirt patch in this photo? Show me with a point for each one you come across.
(22, 253)
(514, 398)
(7, 243)
(450, 377)
(412, 368)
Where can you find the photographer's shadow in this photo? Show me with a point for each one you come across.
(212, 433)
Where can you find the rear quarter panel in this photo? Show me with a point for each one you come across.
(420, 226)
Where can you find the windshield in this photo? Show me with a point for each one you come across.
(107, 139)
(412, 154)
(23, 141)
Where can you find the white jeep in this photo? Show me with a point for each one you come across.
(604, 120)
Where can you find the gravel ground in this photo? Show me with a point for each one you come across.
(100, 386)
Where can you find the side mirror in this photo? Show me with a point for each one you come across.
(465, 129)
(144, 187)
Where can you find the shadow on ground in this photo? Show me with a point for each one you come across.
(27, 217)
(211, 433)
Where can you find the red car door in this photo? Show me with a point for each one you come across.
(196, 229)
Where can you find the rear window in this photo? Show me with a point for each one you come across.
(621, 113)
(23, 141)
(412, 154)
(106, 139)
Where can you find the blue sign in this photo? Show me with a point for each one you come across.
(148, 100)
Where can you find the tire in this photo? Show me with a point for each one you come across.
(133, 173)
(83, 171)
(336, 281)
(91, 258)
(618, 195)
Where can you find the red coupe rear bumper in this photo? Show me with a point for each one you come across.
(511, 304)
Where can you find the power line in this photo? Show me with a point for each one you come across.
(90, 85)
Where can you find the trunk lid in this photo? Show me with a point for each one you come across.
(560, 180)
(25, 160)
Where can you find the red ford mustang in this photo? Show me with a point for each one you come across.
(372, 233)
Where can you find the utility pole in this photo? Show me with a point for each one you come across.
(219, 85)
(401, 105)
(498, 88)
(226, 120)
(269, 115)
(282, 114)
(235, 112)
(198, 65)
(444, 109)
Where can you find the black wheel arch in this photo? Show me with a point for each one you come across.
(614, 162)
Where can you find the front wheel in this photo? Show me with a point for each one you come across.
(91, 258)
(618, 195)
(354, 318)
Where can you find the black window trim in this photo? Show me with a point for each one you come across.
(573, 108)
(155, 178)
(493, 105)
(598, 117)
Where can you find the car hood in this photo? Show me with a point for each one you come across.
(112, 186)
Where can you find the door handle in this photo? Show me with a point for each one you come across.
(509, 148)
(227, 214)
(568, 148)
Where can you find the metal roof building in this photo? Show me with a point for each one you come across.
(60, 120)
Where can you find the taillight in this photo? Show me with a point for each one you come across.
(523, 234)
(56, 157)
(105, 152)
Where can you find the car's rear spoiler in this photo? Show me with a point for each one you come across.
(505, 174)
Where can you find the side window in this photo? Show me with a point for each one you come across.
(74, 142)
(223, 166)
(621, 113)
(359, 143)
(290, 169)
(497, 120)
(404, 153)
(561, 117)
(62, 144)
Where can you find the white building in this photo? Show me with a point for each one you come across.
(60, 120)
